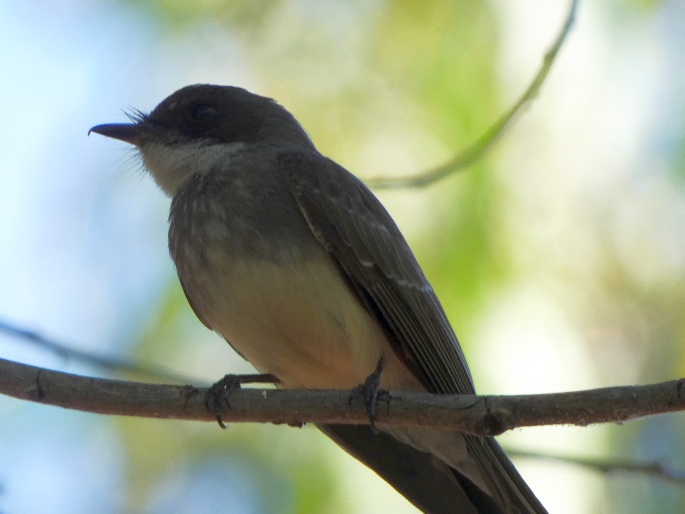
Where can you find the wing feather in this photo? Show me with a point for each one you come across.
(360, 235)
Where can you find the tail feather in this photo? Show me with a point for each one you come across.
(429, 483)
(520, 497)
(421, 478)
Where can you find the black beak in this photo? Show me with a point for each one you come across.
(127, 132)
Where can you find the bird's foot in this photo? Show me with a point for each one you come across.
(371, 392)
(220, 391)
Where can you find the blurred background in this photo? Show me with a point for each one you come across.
(559, 257)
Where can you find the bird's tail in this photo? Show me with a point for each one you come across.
(434, 486)
(515, 495)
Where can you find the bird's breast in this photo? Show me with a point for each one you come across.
(296, 320)
(261, 279)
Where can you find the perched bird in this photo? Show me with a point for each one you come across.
(299, 267)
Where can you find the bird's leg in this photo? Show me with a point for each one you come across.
(370, 390)
(220, 391)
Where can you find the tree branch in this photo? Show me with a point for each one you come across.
(608, 465)
(69, 353)
(478, 415)
(488, 139)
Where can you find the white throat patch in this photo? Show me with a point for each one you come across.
(171, 166)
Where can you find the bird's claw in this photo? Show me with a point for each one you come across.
(370, 390)
(219, 393)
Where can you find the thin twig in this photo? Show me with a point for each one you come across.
(487, 140)
(101, 361)
(609, 465)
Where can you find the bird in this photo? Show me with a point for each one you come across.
(299, 267)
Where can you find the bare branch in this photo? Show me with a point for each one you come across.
(479, 415)
(610, 465)
(68, 352)
(488, 139)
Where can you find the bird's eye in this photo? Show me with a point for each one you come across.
(202, 112)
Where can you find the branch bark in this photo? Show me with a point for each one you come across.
(478, 415)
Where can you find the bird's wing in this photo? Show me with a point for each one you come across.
(360, 235)
(362, 238)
